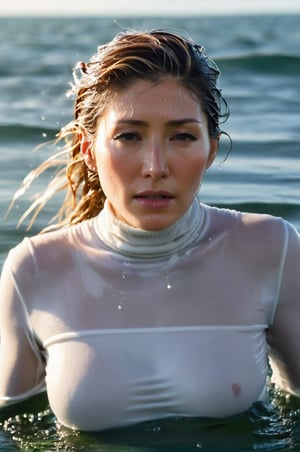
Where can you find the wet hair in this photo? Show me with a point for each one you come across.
(131, 56)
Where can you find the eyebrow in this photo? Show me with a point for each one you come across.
(172, 122)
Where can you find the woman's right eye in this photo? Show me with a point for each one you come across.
(127, 136)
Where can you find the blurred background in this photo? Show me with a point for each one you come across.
(257, 47)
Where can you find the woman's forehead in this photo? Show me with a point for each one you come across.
(144, 98)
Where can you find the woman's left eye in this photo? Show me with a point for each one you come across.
(184, 136)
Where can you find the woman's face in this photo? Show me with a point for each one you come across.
(151, 150)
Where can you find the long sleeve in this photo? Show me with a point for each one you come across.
(284, 335)
(21, 363)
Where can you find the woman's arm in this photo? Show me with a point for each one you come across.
(284, 335)
(21, 362)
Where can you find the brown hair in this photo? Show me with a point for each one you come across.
(129, 57)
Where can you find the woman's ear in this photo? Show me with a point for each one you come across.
(88, 154)
(214, 146)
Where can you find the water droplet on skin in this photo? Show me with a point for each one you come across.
(119, 307)
(123, 276)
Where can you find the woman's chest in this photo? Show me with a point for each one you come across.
(182, 292)
(119, 377)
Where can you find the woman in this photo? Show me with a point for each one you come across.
(145, 303)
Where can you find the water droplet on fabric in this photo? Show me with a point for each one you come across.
(169, 285)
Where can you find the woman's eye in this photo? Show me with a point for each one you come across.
(184, 137)
(127, 136)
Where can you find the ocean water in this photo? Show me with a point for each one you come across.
(260, 62)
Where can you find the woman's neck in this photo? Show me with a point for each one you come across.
(151, 244)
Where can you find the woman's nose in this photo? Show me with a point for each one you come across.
(155, 163)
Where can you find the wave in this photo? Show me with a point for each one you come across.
(285, 210)
(21, 132)
(266, 63)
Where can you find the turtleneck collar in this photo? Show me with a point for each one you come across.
(150, 244)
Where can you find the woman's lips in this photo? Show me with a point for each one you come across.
(153, 198)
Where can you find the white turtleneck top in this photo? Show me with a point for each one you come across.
(123, 326)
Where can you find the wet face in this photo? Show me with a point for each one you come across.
(151, 150)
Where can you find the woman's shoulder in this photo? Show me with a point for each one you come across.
(251, 230)
(244, 220)
(53, 246)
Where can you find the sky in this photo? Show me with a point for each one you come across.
(117, 8)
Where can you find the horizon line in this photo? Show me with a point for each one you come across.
(91, 14)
